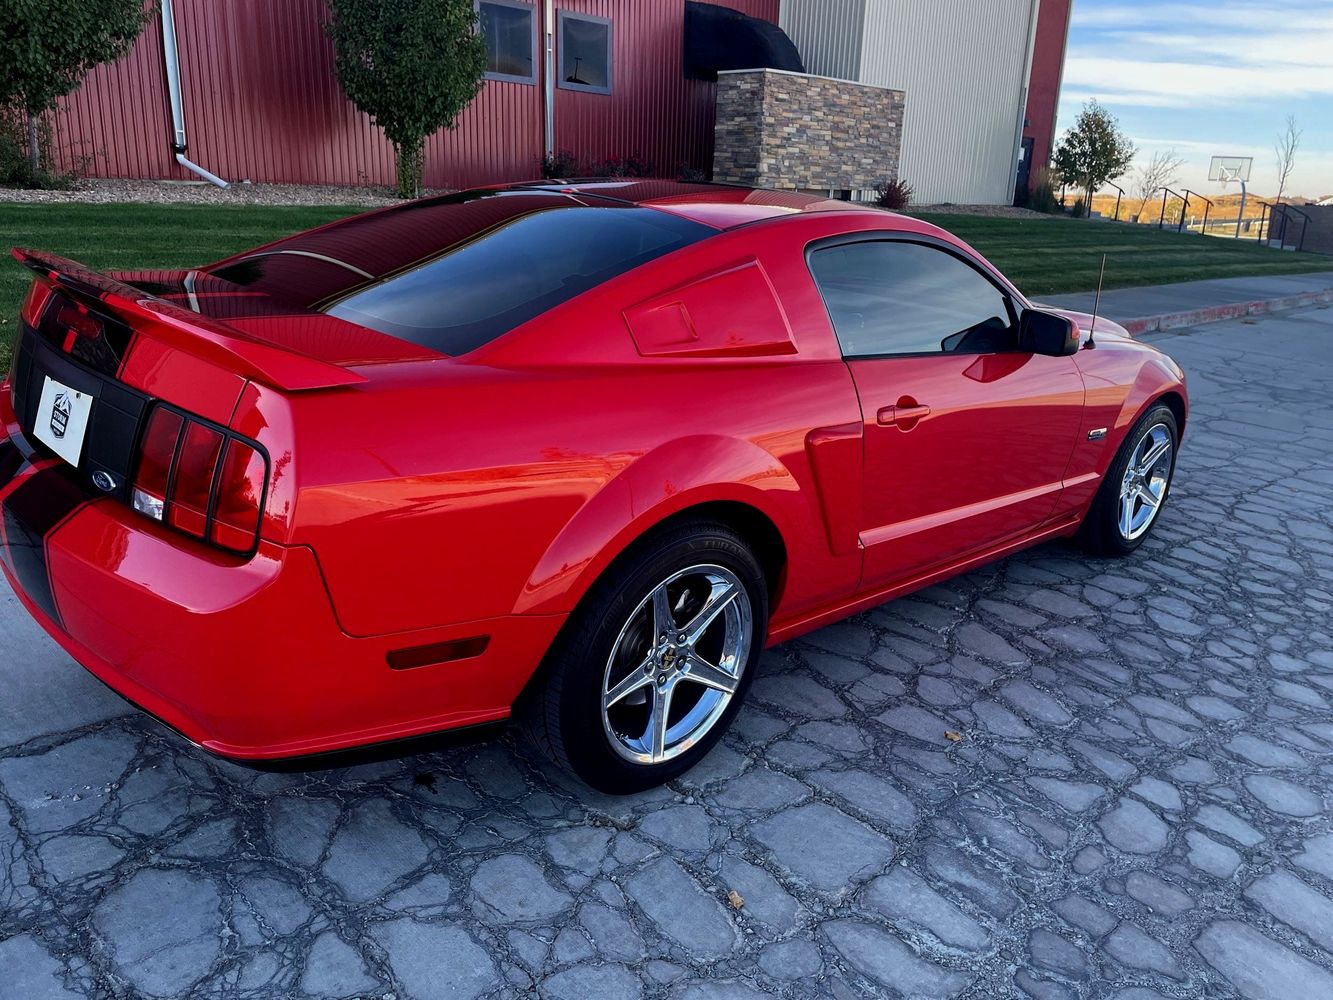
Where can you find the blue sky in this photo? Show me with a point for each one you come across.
(1215, 77)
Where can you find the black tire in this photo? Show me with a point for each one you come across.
(1100, 534)
(564, 713)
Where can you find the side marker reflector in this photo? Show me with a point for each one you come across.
(438, 652)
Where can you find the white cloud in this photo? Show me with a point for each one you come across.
(1209, 52)
(1208, 15)
(1215, 78)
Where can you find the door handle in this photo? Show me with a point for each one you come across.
(899, 415)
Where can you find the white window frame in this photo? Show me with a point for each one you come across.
(531, 8)
(569, 15)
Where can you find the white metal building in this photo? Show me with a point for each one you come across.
(964, 65)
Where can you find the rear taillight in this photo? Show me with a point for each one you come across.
(201, 480)
(240, 490)
(192, 486)
(156, 456)
(34, 302)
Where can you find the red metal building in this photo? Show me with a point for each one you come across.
(262, 101)
(1048, 64)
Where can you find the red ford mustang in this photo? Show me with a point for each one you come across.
(583, 448)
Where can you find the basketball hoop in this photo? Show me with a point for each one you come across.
(1228, 170)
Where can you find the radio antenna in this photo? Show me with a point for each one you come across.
(1096, 303)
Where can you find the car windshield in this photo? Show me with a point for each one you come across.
(454, 273)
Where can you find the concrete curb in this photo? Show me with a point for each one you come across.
(1232, 310)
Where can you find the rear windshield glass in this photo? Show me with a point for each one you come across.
(453, 275)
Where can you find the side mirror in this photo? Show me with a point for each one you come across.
(1047, 333)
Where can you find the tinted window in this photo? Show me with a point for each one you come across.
(890, 297)
(474, 292)
(585, 53)
(509, 30)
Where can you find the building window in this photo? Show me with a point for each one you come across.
(585, 53)
(510, 30)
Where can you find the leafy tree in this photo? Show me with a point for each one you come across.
(46, 49)
(412, 65)
(1094, 151)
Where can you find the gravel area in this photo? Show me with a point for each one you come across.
(95, 190)
(90, 190)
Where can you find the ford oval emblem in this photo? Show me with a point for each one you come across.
(104, 481)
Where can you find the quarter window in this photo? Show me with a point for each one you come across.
(893, 297)
(585, 53)
(510, 30)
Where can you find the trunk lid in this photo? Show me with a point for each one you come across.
(246, 333)
(96, 354)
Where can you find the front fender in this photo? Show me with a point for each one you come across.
(1157, 377)
(1122, 383)
(679, 475)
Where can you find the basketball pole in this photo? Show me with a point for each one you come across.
(1241, 216)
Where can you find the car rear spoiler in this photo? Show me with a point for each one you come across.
(187, 331)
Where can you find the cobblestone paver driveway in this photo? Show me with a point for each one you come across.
(1138, 805)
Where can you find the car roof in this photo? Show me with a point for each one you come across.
(550, 237)
(722, 206)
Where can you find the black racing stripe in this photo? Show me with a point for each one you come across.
(11, 460)
(31, 513)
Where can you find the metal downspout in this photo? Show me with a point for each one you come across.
(548, 77)
(172, 60)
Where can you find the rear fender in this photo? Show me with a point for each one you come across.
(685, 473)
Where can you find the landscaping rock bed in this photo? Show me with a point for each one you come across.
(91, 190)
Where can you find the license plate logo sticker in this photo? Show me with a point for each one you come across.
(62, 419)
(60, 411)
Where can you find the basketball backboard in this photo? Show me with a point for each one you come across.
(1230, 168)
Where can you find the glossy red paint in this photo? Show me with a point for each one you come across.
(992, 440)
(421, 501)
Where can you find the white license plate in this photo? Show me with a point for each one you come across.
(62, 419)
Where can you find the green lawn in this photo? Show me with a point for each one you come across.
(1041, 255)
(125, 237)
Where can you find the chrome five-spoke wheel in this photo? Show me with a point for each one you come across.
(1143, 486)
(655, 662)
(676, 664)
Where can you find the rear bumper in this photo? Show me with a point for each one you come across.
(244, 657)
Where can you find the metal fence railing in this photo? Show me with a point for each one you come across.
(1190, 212)
(1288, 225)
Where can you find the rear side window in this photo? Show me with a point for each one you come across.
(892, 297)
(473, 293)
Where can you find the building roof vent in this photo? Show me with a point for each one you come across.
(719, 38)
